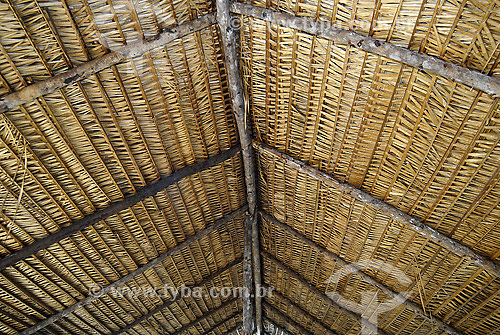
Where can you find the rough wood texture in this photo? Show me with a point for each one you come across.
(116, 207)
(387, 290)
(248, 319)
(315, 290)
(431, 64)
(230, 42)
(86, 69)
(87, 300)
(396, 214)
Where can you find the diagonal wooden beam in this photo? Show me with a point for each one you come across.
(169, 303)
(152, 263)
(436, 322)
(316, 291)
(229, 35)
(86, 69)
(389, 210)
(473, 78)
(116, 207)
(326, 331)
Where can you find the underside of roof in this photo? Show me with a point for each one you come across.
(167, 144)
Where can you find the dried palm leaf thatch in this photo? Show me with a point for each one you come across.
(422, 143)
(356, 232)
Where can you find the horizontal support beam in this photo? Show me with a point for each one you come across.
(476, 79)
(326, 331)
(416, 225)
(158, 260)
(116, 207)
(86, 69)
(436, 323)
(177, 298)
(315, 290)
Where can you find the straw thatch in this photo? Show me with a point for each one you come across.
(126, 161)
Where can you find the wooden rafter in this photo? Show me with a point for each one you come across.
(317, 292)
(389, 210)
(116, 207)
(230, 43)
(436, 322)
(86, 69)
(473, 78)
(87, 300)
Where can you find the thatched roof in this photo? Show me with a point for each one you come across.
(152, 143)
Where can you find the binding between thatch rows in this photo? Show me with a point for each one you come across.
(289, 321)
(230, 42)
(158, 260)
(372, 281)
(490, 85)
(396, 214)
(116, 207)
(171, 302)
(353, 316)
(86, 69)
(280, 296)
(476, 79)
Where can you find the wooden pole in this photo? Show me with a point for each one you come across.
(436, 323)
(86, 69)
(116, 207)
(230, 42)
(315, 290)
(473, 78)
(138, 271)
(389, 210)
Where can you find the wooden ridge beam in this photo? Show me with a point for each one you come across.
(315, 290)
(116, 207)
(177, 298)
(416, 225)
(86, 69)
(473, 78)
(436, 322)
(116, 284)
(230, 43)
